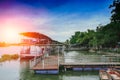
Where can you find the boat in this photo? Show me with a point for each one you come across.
(114, 74)
(104, 75)
(117, 70)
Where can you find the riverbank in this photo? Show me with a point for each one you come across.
(77, 49)
(108, 51)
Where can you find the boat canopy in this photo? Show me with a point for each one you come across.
(36, 35)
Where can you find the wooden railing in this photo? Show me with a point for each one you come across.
(34, 61)
(90, 58)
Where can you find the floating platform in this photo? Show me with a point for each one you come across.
(46, 71)
(49, 65)
(88, 66)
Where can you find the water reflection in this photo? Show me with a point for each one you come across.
(19, 69)
(9, 70)
(68, 75)
(86, 57)
(14, 70)
(26, 74)
(83, 75)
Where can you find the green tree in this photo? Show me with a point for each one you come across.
(75, 37)
(115, 11)
(104, 36)
(108, 35)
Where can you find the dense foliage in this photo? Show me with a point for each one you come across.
(115, 11)
(104, 36)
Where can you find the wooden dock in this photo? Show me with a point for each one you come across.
(52, 64)
(48, 65)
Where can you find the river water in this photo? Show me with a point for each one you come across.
(18, 69)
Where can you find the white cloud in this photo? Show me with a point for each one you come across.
(61, 27)
(58, 26)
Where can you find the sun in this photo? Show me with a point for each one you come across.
(11, 26)
(11, 35)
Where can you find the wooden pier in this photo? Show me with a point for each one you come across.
(50, 62)
(52, 65)
(47, 65)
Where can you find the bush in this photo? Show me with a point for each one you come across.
(8, 57)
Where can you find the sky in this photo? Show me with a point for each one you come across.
(58, 19)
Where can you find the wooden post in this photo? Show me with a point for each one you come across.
(43, 62)
(65, 69)
(58, 55)
(34, 61)
(30, 64)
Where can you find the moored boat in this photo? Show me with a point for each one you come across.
(114, 74)
(104, 75)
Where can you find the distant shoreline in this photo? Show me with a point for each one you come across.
(9, 44)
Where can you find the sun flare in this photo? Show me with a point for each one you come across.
(10, 27)
(11, 35)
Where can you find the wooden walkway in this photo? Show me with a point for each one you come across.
(48, 63)
(92, 63)
(51, 64)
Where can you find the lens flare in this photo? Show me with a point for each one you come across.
(11, 35)
(10, 29)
